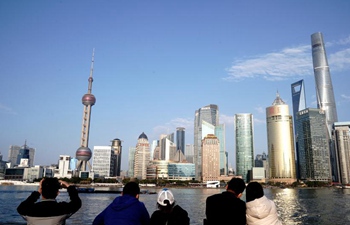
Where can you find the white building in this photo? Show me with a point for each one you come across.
(64, 169)
(32, 173)
(103, 161)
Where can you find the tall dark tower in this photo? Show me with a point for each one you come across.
(180, 139)
(117, 151)
(83, 153)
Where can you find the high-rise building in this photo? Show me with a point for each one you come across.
(280, 142)
(244, 139)
(117, 151)
(299, 103)
(341, 138)
(210, 158)
(83, 153)
(142, 157)
(314, 162)
(167, 146)
(324, 93)
(220, 134)
(17, 153)
(180, 139)
(210, 115)
(103, 160)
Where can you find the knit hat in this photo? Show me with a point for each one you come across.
(165, 195)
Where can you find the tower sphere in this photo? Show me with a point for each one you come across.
(88, 99)
(83, 154)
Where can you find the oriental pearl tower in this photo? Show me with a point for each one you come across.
(83, 153)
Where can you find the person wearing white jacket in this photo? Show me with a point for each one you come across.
(260, 210)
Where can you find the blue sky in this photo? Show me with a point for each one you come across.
(156, 62)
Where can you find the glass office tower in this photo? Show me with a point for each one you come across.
(244, 145)
(313, 145)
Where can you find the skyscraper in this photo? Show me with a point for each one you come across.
(117, 151)
(314, 162)
(299, 103)
(210, 115)
(83, 153)
(244, 138)
(180, 139)
(324, 87)
(210, 158)
(142, 157)
(280, 142)
(341, 137)
(324, 93)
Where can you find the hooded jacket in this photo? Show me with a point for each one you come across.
(178, 216)
(124, 210)
(262, 211)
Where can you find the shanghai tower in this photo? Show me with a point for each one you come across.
(324, 87)
(325, 94)
(83, 153)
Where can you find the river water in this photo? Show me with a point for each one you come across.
(322, 206)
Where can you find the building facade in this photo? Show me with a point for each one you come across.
(103, 160)
(220, 133)
(280, 142)
(210, 158)
(314, 161)
(244, 143)
(341, 138)
(142, 157)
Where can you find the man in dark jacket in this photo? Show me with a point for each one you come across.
(168, 212)
(227, 206)
(48, 211)
(125, 209)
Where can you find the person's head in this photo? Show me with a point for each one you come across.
(50, 187)
(237, 186)
(254, 191)
(165, 199)
(131, 188)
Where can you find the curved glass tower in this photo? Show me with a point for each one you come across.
(324, 87)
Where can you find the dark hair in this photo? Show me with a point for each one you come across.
(131, 188)
(237, 185)
(254, 191)
(50, 187)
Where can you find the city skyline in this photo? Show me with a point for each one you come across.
(155, 64)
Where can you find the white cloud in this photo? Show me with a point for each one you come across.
(170, 127)
(260, 109)
(345, 97)
(7, 110)
(227, 120)
(287, 63)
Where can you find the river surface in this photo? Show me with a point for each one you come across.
(324, 206)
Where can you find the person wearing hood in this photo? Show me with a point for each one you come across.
(260, 210)
(168, 212)
(125, 209)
